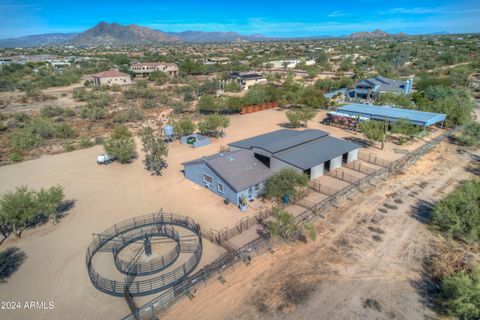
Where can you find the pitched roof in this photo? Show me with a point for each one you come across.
(153, 64)
(279, 140)
(380, 83)
(386, 112)
(308, 155)
(110, 74)
(239, 169)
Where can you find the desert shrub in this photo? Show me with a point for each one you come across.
(184, 127)
(460, 295)
(149, 104)
(47, 129)
(85, 142)
(21, 117)
(159, 77)
(3, 126)
(470, 135)
(15, 157)
(93, 112)
(121, 145)
(156, 150)
(22, 140)
(139, 92)
(373, 130)
(129, 115)
(68, 146)
(208, 103)
(300, 116)
(457, 215)
(52, 111)
(282, 225)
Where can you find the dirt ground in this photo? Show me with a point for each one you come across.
(54, 269)
(365, 264)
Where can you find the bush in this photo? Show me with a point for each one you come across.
(208, 103)
(214, 125)
(85, 142)
(53, 111)
(129, 115)
(92, 112)
(457, 215)
(471, 135)
(22, 140)
(149, 104)
(15, 157)
(183, 127)
(300, 116)
(121, 145)
(460, 295)
(156, 150)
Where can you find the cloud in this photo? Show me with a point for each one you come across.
(337, 13)
(439, 10)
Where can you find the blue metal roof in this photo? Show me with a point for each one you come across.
(416, 117)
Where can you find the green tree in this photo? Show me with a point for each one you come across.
(373, 130)
(458, 214)
(121, 145)
(18, 208)
(213, 125)
(300, 116)
(159, 77)
(207, 103)
(49, 200)
(184, 127)
(285, 182)
(283, 224)
(156, 150)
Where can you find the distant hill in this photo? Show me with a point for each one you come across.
(114, 34)
(37, 40)
(201, 36)
(375, 34)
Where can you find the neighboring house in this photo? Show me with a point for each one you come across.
(111, 77)
(310, 151)
(371, 88)
(245, 168)
(229, 174)
(246, 79)
(216, 60)
(143, 69)
(289, 64)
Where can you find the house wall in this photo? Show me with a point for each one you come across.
(195, 172)
(352, 155)
(317, 171)
(112, 80)
(335, 163)
(277, 165)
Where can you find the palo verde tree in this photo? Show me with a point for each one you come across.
(285, 182)
(18, 208)
(156, 150)
(184, 127)
(373, 130)
(300, 116)
(121, 145)
(285, 226)
(49, 200)
(213, 125)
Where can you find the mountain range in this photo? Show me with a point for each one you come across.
(114, 34)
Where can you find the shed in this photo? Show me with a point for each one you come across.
(196, 140)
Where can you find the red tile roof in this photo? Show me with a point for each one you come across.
(111, 74)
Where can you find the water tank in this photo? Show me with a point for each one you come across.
(168, 131)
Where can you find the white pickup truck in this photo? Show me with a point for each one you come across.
(104, 159)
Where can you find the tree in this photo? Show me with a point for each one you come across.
(283, 225)
(460, 295)
(18, 208)
(373, 130)
(457, 215)
(48, 201)
(120, 145)
(208, 103)
(285, 182)
(159, 77)
(300, 116)
(214, 125)
(184, 127)
(156, 150)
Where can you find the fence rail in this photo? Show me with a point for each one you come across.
(228, 259)
(319, 187)
(360, 167)
(342, 175)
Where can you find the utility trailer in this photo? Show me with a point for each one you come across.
(105, 159)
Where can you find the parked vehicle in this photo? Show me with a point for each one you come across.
(105, 159)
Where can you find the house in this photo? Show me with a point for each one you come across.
(250, 162)
(144, 69)
(111, 77)
(310, 151)
(247, 79)
(229, 174)
(371, 88)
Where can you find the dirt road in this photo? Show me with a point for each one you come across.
(365, 264)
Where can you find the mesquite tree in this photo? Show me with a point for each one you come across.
(156, 150)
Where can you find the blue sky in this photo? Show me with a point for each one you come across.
(270, 18)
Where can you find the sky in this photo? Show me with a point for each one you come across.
(271, 18)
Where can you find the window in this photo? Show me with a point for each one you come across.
(220, 187)
(207, 179)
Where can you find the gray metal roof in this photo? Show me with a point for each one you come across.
(383, 84)
(239, 169)
(279, 140)
(313, 153)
